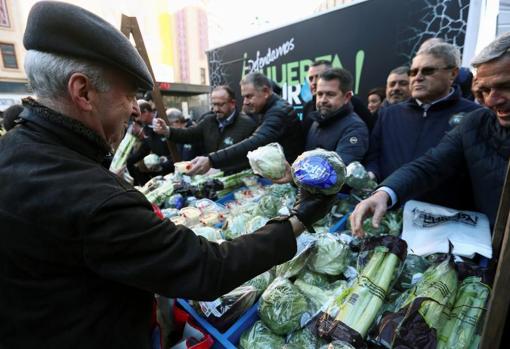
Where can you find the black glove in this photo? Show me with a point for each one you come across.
(309, 208)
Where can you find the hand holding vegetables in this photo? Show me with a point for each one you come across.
(309, 208)
(160, 127)
(376, 206)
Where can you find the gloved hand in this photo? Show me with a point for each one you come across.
(309, 208)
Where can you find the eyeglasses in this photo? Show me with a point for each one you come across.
(219, 105)
(426, 71)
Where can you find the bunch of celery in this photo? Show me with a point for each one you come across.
(360, 304)
(233, 181)
(438, 286)
(122, 152)
(459, 332)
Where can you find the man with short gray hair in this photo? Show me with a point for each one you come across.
(82, 251)
(397, 86)
(480, 145)
(405, 131)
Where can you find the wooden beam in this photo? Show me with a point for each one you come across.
(129, 26)
(499, 301)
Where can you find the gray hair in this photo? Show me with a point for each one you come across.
(49, 73)
(175, 114)
(496, 49)
(402, 70)
(447, 52)
(258, 80)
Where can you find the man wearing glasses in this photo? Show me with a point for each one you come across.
(405, 131)
(221, 128)
(480, 145)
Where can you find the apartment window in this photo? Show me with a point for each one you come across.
(4, 15)
(202, 76)
(8, 56)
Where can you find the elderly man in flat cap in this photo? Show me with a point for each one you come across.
(480, 144)
(82, 252)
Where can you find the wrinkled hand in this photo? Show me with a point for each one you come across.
(376, 205)
(287, 177)
(199, 165)
(160, 127)
(309, 208)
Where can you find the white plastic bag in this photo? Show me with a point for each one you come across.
(429, 228)
(268, 161)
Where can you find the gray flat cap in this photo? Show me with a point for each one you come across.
(57, 27)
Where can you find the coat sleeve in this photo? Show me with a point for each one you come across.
(124, 241)
(271, 130)
(353, 144)
(373, 154)
(431, 169)
(139, 153)
(190, 135)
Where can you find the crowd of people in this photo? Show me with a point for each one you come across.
(82, 249)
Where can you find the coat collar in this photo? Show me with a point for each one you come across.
(70, 132)
(336, 115)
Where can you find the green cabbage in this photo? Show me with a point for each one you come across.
(332, 256)
(236, 225)
(262, 281)
(303, 339)
(357, 177)
(296, 264)
(268, 161)
(268, 206)
(319, 171)
(282, 307)
(312, 278)
(260, 337)
(209, 233)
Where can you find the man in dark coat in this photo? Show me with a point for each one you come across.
(336, 126)
(278, 123)
(221, 128)
(481, 143)
(405, 131)
(315, 70)
(82, 252)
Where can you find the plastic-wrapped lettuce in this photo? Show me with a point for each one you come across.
(282, 307)
(224, 311)
(255, 223)
(268, 161)
(414, 267)
(312, 278)
(319, 171)
(332, 255)
(236, 225)
(209, 233)
(317, 296)
(357, 177)
(260, 337)
(268, 206)
(305, 249)
(303, 339)
(262, 281)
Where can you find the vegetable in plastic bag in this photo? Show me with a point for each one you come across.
(262, 281)
(319, 171)
(303, 339)
(255, 223)
(225, 310)
(282, 307)
(236, 225)
(337, 345)
(414, 267)
(209, 233)
(291, 268)
(268, 206)
(260, 337)
(318, 297)
(313, 278)
(357, 177)
(151, 161)
(268, 161)
(332, 256)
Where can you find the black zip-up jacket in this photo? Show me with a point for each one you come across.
(207, 132)
(479, 144)
(82, 252)
(342, 131)
(279, 124)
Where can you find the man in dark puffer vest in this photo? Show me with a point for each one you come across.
(481, 143)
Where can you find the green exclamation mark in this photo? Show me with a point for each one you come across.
(360, 58)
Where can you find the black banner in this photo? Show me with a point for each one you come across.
(369, 39)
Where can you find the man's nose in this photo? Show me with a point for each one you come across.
(494, 98)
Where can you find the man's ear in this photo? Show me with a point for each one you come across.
(454, 72)
(348, 96)
(80, 89)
